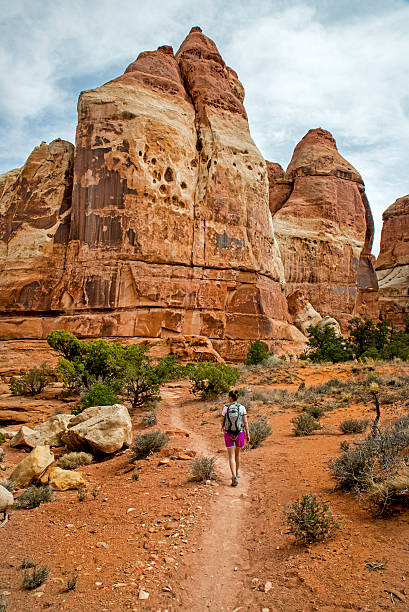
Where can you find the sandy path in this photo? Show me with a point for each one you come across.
(217, 569)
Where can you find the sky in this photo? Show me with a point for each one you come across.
(341, 65)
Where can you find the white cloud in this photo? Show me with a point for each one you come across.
(304, 63)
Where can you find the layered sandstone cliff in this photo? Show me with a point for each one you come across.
(324, 228)
(392, 265)
(169, 234)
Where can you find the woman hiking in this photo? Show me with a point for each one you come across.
(234, 425)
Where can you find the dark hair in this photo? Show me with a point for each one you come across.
(233, 395)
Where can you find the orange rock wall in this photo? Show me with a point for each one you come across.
(392, 265)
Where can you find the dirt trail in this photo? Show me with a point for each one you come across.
(217, 569)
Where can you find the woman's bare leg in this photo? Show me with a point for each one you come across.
(237, 457)
(232, 463)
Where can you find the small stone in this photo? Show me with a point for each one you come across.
(101, 545)
(267, 587)
(98, 584)
(130, 510)
(143, 594)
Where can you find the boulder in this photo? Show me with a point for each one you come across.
(48, 433)
(32, 466)
(7, 433)
(62, 480)
(392, 265)
(104, 429)
(6, 499)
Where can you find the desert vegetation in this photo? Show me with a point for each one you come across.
(309, 520)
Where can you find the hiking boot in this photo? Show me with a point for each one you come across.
(234, 481)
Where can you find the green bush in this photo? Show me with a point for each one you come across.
(31, 383)
(353, 425)
(210, 379)
(304, 424)
(72, 583)
(257, 353)
(98, 395)
(325, 345)
(66, 344)
(2, 438)
(38, 576)
(149, 419)
(148, 443)
(34, 497)
(310, 520)
(259, 431)
(315, 411)
(203, 469)
(70, 461)
(26, 564)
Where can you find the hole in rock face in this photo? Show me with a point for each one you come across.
(163, 189)
(183, 185)
(169, 175)
(153, 161)
(199, 145)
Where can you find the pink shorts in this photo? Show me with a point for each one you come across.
(234, 440)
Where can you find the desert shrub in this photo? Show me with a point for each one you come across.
(72, 583)
(315, 411)
(148, 443)
(34, 497)
(26, 564)
(82, 494)
(70, 461)
(203, 468)
(259, 431)
(325, 345)
(98, 395)
(309, 520)
(257, 353)
(36, 578)
(304, 424)
(66, 344)
(373, 460)
(149, 419)
(32, 382)
(135, 476)
(351, 426)
(142, 378)
(2, 438)
(211, 379)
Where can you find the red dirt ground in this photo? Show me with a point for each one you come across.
(206, 547)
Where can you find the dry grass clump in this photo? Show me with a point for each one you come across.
(259, 431)
(352, 426)
(310, 520)
(203, 469)
(149, 419)
(34, 497)
(386, 496)
(70, 461)
(304, 424)
(148, 443)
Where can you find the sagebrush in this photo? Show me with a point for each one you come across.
(259, 431)
(70, 461)
(31, 382)
(34, 497)
(309, 519)
(148, 443)
(203, 468)
(304, 424)
(35, 578)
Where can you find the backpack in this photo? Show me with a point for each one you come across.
(233, 419)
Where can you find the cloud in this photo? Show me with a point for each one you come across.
(340, 65)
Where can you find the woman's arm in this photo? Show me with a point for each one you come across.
(246, 427)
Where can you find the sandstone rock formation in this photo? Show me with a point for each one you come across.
(324, 229)
(104, 429)
(32, 466)
(169, 233)
(304, 314)
(392, 265)
(35, 204)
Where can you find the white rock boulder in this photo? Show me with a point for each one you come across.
(6, 499)
(104, 429)
(48, 433)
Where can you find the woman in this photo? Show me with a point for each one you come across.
(234, 426)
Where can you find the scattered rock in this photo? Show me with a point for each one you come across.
(101, 545)
(62, 480)
(32, 466)
(105, 429)
(143, 594)
(24, 437)
(7, 434)
(267, 587)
